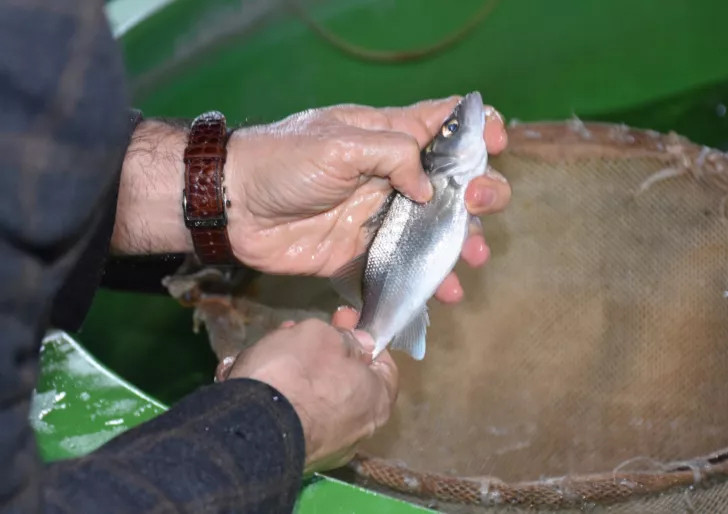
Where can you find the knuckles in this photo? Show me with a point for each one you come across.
(341, 150)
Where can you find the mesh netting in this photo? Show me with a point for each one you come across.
(587, 366)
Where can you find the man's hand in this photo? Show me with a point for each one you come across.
(302, 188)
(327, 374)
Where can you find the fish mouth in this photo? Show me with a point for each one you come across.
(471, 149)
(472, 111)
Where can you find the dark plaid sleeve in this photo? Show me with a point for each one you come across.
(231, 447)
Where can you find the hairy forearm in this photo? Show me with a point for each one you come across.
(149, 208)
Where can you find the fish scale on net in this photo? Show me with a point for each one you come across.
(415, 245)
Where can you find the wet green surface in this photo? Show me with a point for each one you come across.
(79, 404)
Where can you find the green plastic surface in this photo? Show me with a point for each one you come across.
(654, 63)
(533, 59)
(79, 405)
(323, 495)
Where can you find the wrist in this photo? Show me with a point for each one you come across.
(149, 215)
(239, 155)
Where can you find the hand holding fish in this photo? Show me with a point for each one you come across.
(302, 189)
(327, 374)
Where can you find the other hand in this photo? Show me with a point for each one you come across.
(339, 394)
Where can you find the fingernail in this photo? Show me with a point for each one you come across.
(482, 197)
(222, 371)
(493, 115)
(365, 340)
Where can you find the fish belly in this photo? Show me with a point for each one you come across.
(403, 273)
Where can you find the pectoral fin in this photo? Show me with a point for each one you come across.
(412, 338)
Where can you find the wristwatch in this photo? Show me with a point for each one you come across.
(204, 202)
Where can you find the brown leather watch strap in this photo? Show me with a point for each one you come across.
(204, 201)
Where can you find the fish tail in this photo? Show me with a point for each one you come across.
(378, 349)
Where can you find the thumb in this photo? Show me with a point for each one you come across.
(394, 156)
(423, 119)
(358, 344)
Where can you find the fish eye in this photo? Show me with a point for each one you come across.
(450, 127)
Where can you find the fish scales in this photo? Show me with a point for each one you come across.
(418, 237)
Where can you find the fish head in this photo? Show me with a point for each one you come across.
(458, 149)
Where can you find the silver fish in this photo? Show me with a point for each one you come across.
(416, 245)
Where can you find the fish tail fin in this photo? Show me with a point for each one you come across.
(379, 348)
(412, 338)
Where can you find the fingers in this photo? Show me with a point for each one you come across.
(496, 137)
(222, 371)
(488, 194)
(394, 156)
(345, 317)
(423, 119)
(475, 251)
(386, 370)
(356, 344)
(394, 136)
(450, 291)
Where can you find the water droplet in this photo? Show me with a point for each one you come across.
(720, 110)
(276, 398)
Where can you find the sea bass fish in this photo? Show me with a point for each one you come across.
(417, 244)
